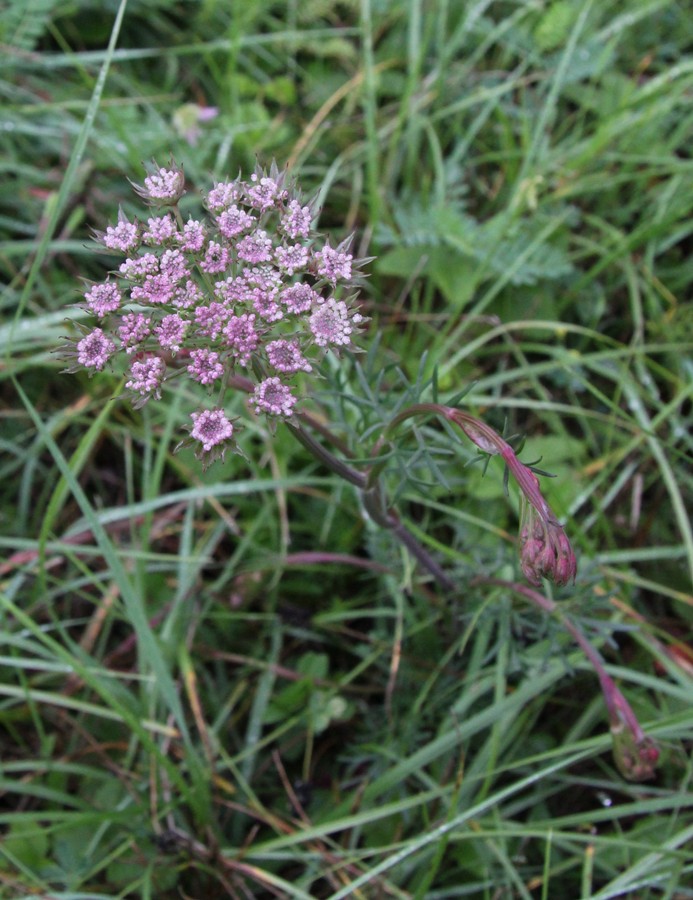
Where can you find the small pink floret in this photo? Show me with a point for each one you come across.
(330, 323)
(170, 332)
(334, 265)
(103, 299)
(255, 248)
(273, 397)
(285, 356)
(146, 376)
(295, 222)
(166, 184)
(205, 366)
(211, 428)
(122, 237)
(94, 350)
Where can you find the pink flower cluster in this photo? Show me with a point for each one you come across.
(248, 286)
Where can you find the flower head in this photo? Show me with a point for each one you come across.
(146, 377)
(295, 222)
(103, 299)
(170, 332)
(216, 258)
(211, 434)
(249, 285)
(264, 192)
(206, 366)
(286, 356)
(157, 290)
(94, 350)
(193, 237)
(133, 330)
(139, 267)
(255, 248)
(160, 229)
(242, 337)
(164, 187)
(210, 428)
(273, 397)
(335, 265)
(234, 221)
(222, 195)
(123, 237)
(292, 259)
(332, 323)
(299, 298)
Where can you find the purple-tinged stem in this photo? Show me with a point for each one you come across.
(545, 549)
(635, 753)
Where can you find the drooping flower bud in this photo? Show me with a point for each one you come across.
(635, 756)
(545, 551)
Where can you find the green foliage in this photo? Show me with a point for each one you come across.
(459, 254)
(22, 22)
(233, 683)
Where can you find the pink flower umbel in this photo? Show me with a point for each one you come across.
(103, 299)
(249, 288)
(123, 237)
(146, 377)
(335, 264)
(205, 366)
(332, 323)
(286, 356)
(133, 330)
(211, 428)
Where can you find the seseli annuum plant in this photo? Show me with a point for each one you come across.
(246, 301)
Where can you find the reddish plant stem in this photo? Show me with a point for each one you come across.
(545, 551)
(635, 753)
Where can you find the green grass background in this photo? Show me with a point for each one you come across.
(230, 684)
